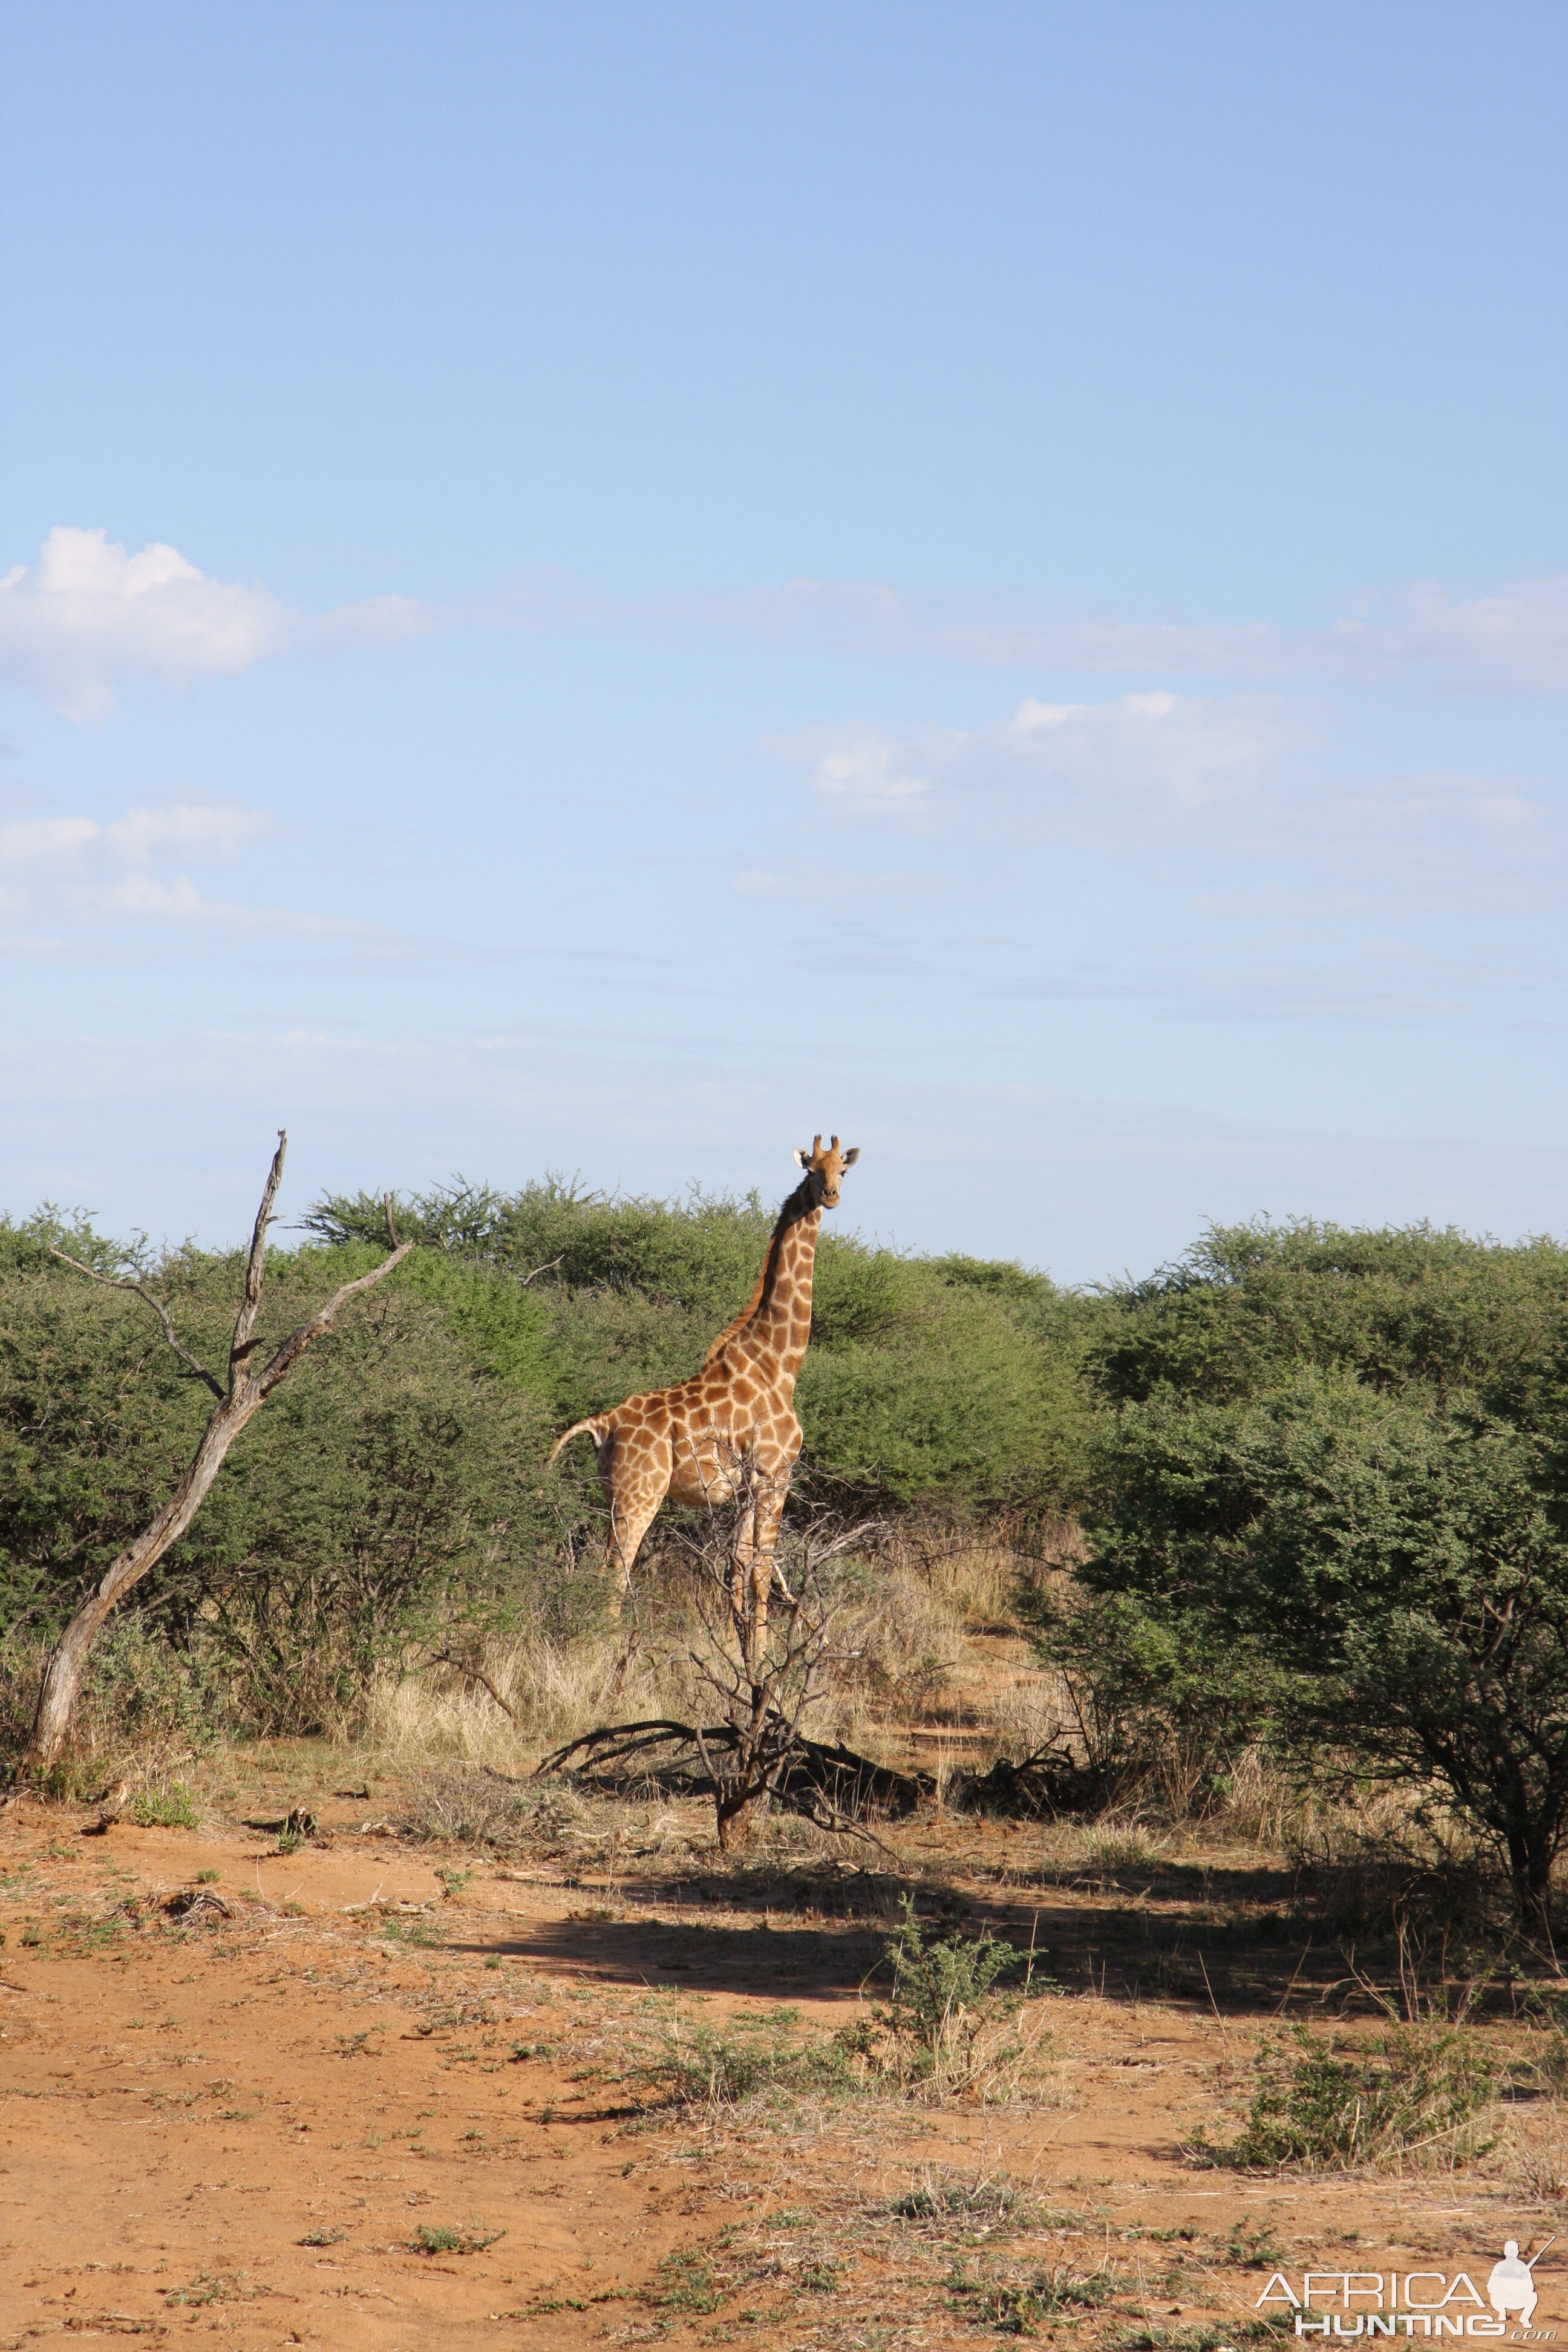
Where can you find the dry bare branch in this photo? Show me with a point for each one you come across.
(245, 1394)
(538, 1270)
(116, 1282)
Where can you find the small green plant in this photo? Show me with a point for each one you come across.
(1416, 2094)
(991, 2203)
(942, 1993)
(424, 1932)
(321, 2238)
(1124, 1849)
(696, 2067)
(688, 2282)
(1018, 2308)
(210, 2286)
(172, 1808)
(1251, 2245)
(207, 1878)
(441, 2240)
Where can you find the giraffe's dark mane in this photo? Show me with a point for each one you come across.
(798, 1205)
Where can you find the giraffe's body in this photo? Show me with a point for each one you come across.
(729, 1432)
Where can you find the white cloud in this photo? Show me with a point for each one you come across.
(1516, 639)
(873, 774)
(74, 845)
(87, 614)
(1090, 768)
(992, 632)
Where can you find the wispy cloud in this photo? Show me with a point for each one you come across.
(74, 874)
(1230, 794)
(87, 614)
(1515, 641)
(1085, 767)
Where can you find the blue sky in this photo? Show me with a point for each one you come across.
(600, 590)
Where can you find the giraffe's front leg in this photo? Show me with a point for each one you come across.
(741, 1571)
(769, 1510)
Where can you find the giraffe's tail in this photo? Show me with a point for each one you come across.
(593, 1427)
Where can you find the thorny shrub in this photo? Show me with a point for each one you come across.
(1417, 2094)
(947, 2027)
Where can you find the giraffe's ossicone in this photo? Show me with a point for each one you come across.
(730, 1432)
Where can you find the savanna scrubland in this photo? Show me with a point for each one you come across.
(1260, 1560)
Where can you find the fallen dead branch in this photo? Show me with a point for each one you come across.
(833, 1786)
(198, 1906)
(1049, 1785)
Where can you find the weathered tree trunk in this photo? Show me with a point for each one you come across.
(737, 1811)
(62, 1675)
(244, 1396)
(1530, 1858)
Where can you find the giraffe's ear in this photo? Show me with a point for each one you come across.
(803, 1159)
(850, 1157)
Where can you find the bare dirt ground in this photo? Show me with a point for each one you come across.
(399, 2093)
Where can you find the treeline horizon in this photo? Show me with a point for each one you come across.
(1322, 1473)
(484, 1218)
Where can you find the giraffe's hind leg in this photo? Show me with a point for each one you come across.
(634, 1471)
(629, 1525)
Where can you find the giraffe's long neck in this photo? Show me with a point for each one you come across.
(775, 1321)
(780, 1323)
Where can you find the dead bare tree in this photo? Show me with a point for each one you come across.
(764, 1677)
(242, 1396)
(764, 1667)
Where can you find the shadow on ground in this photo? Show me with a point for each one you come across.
(752, 1963)
(1241, 1941)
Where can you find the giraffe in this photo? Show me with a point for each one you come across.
(729, 1431)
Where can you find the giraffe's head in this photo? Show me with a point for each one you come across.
(824, 1170)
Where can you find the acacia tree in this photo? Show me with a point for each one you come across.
(764, 1676)
(1398, 1577)
(239, 1396)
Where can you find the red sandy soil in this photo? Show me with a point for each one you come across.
(241, 2126)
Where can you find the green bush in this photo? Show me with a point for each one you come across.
(696, 2067)
(1331, 1489)
(942, 1992)
(386, 1500)
(1418, 2093)
(172, 1808)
